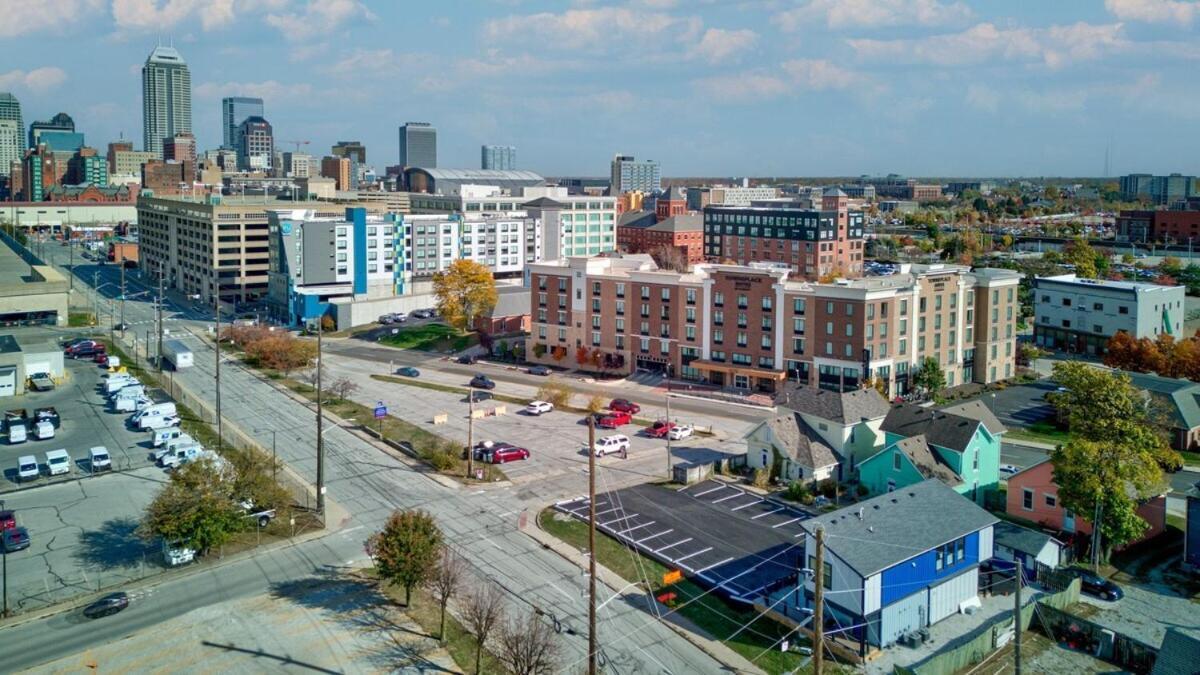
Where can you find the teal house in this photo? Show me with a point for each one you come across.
(959, 446)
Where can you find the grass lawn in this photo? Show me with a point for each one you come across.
(710, 613)
(432, 337)
(80, 319)
(1190, 458)
(1042, 430)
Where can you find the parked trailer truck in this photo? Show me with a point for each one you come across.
(178, 354)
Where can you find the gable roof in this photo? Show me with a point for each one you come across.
(1022, 539)
(641, 218)
(979, 412)
(686, 222)
(928, 463)
(1181, 396)
(883, 531)
(801, 443)
(940, 428)
(848, 407)
(543, 202)
(1180, 652)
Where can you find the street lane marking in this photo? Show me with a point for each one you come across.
(766, 514)
(615, 508)
(673, 545)
(692, 555)
(637, 527)
(617, 520)
(786, 522)
(739, 508)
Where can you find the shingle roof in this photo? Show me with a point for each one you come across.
(942, 429)
(928, 462)
(898, 525)
(979, 412)
(801, 443)
(848, 407)
(687, 222)
(511, 303)
(641, 218)
(1180, 652)
(1023, 539)
(1181, 397)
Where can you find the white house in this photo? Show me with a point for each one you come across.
(1030, 547)
(787, 438)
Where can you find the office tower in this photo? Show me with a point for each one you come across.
(234, 111)
(499, 157)
(10, 111)
(61, 122)
(418, 145)
(297, 165)
(629, 174)
(166, 98)
(353, 149)
(87, 167)
(256, 144)
(337, 168)
(179, 148)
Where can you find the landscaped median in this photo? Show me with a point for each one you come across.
(431, 337)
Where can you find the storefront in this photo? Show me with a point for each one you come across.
(738, 377)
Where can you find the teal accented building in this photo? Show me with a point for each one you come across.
(959, 445)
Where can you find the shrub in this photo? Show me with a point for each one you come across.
(555, 392)
(861, 490)
(441, 460)
(596, 403)
(761, 478)
(829, 488)
(797, 492)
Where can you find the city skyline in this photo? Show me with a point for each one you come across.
(817, 87)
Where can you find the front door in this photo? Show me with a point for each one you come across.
(741, 382)
(1068, 521)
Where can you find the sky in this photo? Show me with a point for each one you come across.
(706, 87)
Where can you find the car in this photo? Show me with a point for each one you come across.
(613, 419)
(467, 359)
(399, 317)
(483, 450)
(612, 444)
(423, 314)
(482, 382)
(27, 468)
(8, 520)
(1096, 585)
(81, 347)
(660, 429)
(14, 539)
(41, 382)
(99, 459)
(538, 408)
(1009, 470)
(542, 371)
(680, 432)
(101, 359)
(508, 454)
(386, 319)
(625, 405)
(408, 371)
(107, 606)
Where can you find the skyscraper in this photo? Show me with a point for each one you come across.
(12, 132)
(61, 122)
(353, 149)
(499, 157)
(166, 98)
(629, 174)
(256, 144)
(234, 111)
(418, 145)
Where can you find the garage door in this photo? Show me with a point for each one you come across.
(946, 596)
(8, 381)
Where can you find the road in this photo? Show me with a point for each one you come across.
(481, 523)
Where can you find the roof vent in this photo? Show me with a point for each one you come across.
(871, 529)
(876, 507)
(860, 513)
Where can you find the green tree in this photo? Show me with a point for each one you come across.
(1081, 254)
(254, 479)
(465, 291)
(196, 507)
(931, 378)
(406, 550)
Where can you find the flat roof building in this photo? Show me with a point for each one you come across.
(1080, 315)
(31, 293)
(451, 181)
(418, 145)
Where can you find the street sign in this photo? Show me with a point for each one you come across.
(380, 410)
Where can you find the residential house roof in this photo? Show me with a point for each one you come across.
(1022, 539)
(1180, 652)
(883, 531)
(929, 463)
(511, 302)
(941, 428)
(801, 442)
(979, 412)
(686, 222)
(641, 218)
(1182, 397)
(848, 407)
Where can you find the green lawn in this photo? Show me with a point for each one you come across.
(1190, 458)
(80, 319)
(1042, 430)
(432, 337)
(710, 613)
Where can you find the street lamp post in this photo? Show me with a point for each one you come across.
(320, 421)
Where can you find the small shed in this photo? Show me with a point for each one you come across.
(1028, 546)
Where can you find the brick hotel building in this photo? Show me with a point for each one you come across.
(752, 327)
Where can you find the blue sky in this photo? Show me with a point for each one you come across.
(707, 87)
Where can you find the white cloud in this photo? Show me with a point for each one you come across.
(983, 97)
(593, 28)
(269, 90)
(1055, 46)
(21, 17)
(791, 77)
(818, 74)
(839, 14)
(364, 61)
(38, 80)
(318, 17)
(718, 44)
(143, 15)
(748, 88)
(1154, 11)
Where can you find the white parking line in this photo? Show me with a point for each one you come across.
(701, 494)
(692, 555)
(673, 545)
(615, 508)
(653, 536)
(705, 569)
(766, 514)
(637, 527)
(718, 501)
(786, 522)
(799, 535)
(617, 520)
(739, 508)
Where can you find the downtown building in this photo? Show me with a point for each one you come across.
(751, 327)
(1157, 189)
(166, 98)
(627, 174)
(1078, 315)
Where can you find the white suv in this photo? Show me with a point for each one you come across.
(538, 407)
(612, 444)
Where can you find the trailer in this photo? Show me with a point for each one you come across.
(178, 354)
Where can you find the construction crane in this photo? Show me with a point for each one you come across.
(297, 144)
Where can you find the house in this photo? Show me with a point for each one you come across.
(959, 446)
(1179, 402)
(1030, 547)
(899, 562)
(802, 453)
(510, 316)
(1191, 538)
(1033, 496)
(1180, 652)
(845, 420)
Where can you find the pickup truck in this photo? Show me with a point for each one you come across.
(41, 382)
(613, 419)
(659, 429)
(17, 417)
(47, 414)
(263, 516)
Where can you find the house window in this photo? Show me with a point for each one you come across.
(826, 572)
(1027, 499)
(1052, 501)
(896, 460)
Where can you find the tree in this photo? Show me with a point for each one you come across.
(406, 550)
(669, 258)
(482, 612)
(328, 325)
(254, 479)
(195, 507)
(1170, 266)
(555, 391)
(528, 647)
(930, 377)
(1121, 352)
(596, 403)
(445, 583)
(583, 355)
(878, 384)
(1081, 254)
(464, 291)
(282, 352)
(343, 387)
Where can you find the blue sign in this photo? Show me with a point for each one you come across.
(380, 410)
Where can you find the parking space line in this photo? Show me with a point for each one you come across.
(766, 514)
(617, 520)
(615, 508)
(673, 545)
(804, 533)
(692, 555)
(718, 501)
(701, 494)
(653, 536)
(739, 508)
(718, 564)
(637, 527)
(786, 522)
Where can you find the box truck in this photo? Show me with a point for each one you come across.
(178, 354)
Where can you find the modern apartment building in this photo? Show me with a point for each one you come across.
(166, 98)
(627, 173)
(498, 157)
(750, 327)
(1157, 189)
(1080, 315)
(814, 243)
(700, 197)
(297, 165)
(504, 242)
(418, 145)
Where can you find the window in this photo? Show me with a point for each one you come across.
(1052, 500)
(895, 460)
(666, 295)
(645, 292)
(691, 296)
(1027, 499)
(829, 328)
(1066, 302)
(620, 290)
(798, 305)
(826, 572)
(798, 345)
(742, 301)
(1097, 306)
(766, 302)
(1122, 309)
(719, 299)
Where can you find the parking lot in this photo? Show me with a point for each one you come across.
(86, 421)
(1021, 405)
(717, 533)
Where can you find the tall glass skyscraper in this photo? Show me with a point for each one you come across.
(499, 157)
(418, 145)
(12, 132)
(234, 111)
(166, 98)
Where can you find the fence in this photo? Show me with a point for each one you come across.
(1103, 643)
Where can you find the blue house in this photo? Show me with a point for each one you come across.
(898, 562)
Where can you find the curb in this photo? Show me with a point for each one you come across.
(751, 406)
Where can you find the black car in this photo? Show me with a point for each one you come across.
(539, 370)
(1096, 585)
(408, 371)
(467, 359)
(482, 382)
(14, 539)
(106, 606)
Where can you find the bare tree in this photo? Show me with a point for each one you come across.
(482, 611)
(669, 258)
(310, 377)
(343, 387)
(528, 646)
(445, 583)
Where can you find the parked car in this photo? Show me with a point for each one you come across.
(538, 407)
(1009, 470)
(659, 429)
(98, 459)
(613, 419)
(612, 444)
(508, 454)
(107, 606)
(482, 382)
(84, 349)
(41, 382)
(386, 319)
(680, 432)
(1096, 585)
(483, 450)
(399, 317)
(14, 539)
(27, 468)
(8, 520)
(625, 405)
(408, 371)
(543, 371)
(423, 314)
(467, 359)
(58, 462)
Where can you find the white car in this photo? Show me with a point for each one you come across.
(612, 444)
(538, 407)
(1009, 470)
(680, 432)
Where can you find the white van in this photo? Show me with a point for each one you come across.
(130, 403)
(131, 390)
(154, 416)
(43, 430)
(98, 459)
(174, 444)
(27, 468)
(118, 382)
(160, 437)
(181, 455)
(58, 462)
(17, 433)
(176, 554)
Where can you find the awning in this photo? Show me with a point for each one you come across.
(738, 369)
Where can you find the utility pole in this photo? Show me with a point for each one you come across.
(592, 648)
(1017, 621)
(668, 426)
(819, 604)
(470, 431)
(158, 355)
(320, 436)
(122, 297)
(217, 351)
(1096, 537)
(5, 614)
(71, 244)
(96, 297)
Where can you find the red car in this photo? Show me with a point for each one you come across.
(8, 520)
(613, 419)
(85, 348)
(625, 406)
(660, 429)
(509, 454)
(102, 358)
